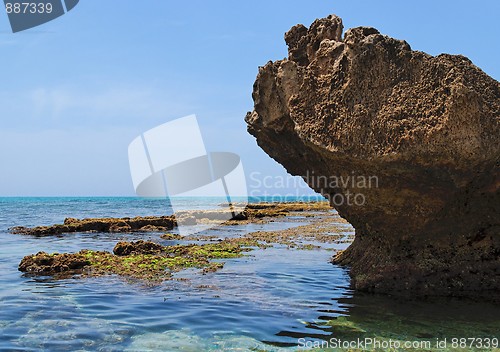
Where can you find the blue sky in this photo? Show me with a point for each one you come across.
(75, 91)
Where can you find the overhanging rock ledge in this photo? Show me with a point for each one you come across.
(426, 127)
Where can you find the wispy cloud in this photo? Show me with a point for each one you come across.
(112, 102)
(75, 106)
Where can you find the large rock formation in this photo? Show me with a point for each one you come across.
(405, 145)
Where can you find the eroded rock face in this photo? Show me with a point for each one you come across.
(423, 130)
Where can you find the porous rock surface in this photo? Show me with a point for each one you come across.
(427, 127)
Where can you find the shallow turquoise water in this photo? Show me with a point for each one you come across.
(267, 300)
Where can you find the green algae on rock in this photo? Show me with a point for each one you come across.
(171, 236)
(154, 262)
(141, 260)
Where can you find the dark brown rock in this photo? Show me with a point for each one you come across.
(426, 129)
(138, 247)
(50, 264)
(70, 225)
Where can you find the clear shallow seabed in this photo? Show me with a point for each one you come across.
(266, 300)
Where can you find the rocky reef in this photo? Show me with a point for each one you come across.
(145, 224)
(152, 262)
(405, 145)
(166, 223)
(143, 260)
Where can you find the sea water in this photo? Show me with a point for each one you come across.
(271, 299)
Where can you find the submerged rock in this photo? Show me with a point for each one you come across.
(405, 145)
